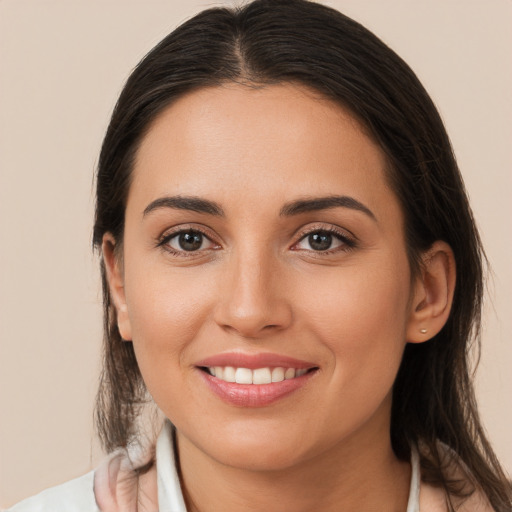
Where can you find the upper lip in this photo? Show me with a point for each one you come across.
(253, 361)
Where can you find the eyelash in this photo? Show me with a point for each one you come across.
(164, 240)
(348, 242)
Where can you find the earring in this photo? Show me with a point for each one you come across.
(423, 331)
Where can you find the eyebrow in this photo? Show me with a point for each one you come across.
(324, 203)
(192, 203)
(200, 205)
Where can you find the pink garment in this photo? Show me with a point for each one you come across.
(117, 486)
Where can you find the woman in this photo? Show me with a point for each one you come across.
(292, 272)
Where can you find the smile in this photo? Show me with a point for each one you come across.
(254, 380)
(256, 376)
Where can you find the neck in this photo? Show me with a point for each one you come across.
(360, 473)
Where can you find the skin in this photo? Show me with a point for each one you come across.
(257, 285)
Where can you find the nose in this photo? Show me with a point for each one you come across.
(252, 299)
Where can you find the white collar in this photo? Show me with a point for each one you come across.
(413, 505)
(170, 497)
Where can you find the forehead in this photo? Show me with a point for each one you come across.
(276, 142)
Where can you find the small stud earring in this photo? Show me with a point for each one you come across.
(423, 331)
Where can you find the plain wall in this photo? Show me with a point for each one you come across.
(62, 65)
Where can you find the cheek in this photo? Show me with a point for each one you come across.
(164, 299)
(360, 314)
(167, 309)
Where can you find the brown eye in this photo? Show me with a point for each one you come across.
(189, 240)
(321, 241)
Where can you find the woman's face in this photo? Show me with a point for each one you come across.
(261, 233)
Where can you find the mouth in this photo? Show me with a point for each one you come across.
(257, 376)
(254, 380)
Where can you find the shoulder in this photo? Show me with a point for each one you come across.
(433, 498)
(74, 496)
(113, 487)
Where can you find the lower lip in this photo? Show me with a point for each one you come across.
(254, 395)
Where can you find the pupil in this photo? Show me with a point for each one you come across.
(320, 241)
(190, 241)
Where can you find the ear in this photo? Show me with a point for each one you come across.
(115, 278)
(432, 294)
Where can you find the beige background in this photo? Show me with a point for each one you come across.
(62, 64)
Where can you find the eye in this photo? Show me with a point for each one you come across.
(187, 241)
(324, 240)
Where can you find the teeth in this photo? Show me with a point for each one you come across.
(261, 376)
(243, 376)
(258, 376)
(229, 374)
(277, 374)
(289, 373)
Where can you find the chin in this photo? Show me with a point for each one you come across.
(259, 457)
(250, 445)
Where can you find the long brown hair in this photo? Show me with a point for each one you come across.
(276, 41)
